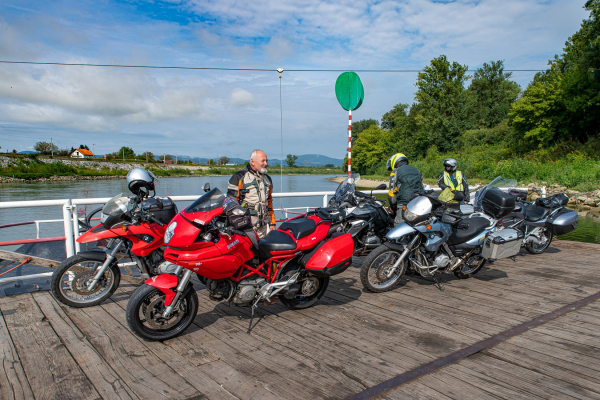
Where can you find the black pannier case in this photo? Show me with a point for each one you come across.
(564, 221)
(164, 215)
(497, 203)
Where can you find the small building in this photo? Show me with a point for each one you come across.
(82, 153)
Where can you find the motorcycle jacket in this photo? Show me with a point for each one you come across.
(408, 180)
(258, 199)
(456, 181)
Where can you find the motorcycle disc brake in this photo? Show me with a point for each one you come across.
(153, 314)
(385, 271)
(80, 283)
(309, 286)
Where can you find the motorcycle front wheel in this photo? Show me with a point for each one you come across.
(376, 273)
(311, 290)
(546, 238)
(71, 278)
(145, 308)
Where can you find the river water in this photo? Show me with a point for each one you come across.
(588, 229)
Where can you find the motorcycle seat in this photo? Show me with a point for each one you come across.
(535, 213)
(275, 241)
(299, 228)
(467, 229)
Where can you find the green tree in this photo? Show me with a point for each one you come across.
(125, 152)
(290, 160)
(494, 93)
(563, 103)
(223, 160)
(359, 126)
(147, 155)
(445, 105)
(83, 146)
(371, 148)
(45, 147)
(211, 162)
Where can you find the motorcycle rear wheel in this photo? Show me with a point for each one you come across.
(71, 278)
(539, 249)
(146, 306)
(471, 268)
(314, 286)
(376, 274)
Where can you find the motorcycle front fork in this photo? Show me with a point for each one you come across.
(110, 257)
(185, 279)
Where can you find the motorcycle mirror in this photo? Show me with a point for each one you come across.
(159, 203)
(207, 187)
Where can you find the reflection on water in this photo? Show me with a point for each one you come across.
(588, 230)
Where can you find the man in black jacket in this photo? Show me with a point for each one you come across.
(406, 180)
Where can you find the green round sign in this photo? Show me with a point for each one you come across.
(349, 91)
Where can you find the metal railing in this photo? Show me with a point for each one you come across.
(71, 221)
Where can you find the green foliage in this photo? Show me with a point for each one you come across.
(359, 126)
(30, 168)
(371, 147)
(170, 171)
(44, 148)
(290, 160)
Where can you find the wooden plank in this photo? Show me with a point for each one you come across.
(13, 381)
(105, 380)
(18, 257)
(415, 390)
(520, 378)
(51, 371)
(145, 374)
(545, 364)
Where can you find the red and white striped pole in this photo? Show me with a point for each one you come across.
(349, 141)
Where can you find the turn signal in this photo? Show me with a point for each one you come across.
(403, 208)
(124, 227)
(429, 227)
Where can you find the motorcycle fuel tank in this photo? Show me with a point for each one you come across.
(436, 236)
(399, 231)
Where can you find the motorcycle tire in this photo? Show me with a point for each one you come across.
(376, 267)
(301, 301)
(466, 273)
(70, 279)
(147, 303)
(534, 249)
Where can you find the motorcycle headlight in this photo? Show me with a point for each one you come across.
(170, 232)
(409, 216)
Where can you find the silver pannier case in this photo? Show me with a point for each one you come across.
(502, 244)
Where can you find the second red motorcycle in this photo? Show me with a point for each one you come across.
(213, 239)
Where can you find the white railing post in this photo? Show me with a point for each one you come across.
(543, 192)
(324, 200)
(75, 228)
(37, 230)
(67, 213)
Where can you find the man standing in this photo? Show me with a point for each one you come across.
(453, 179)
(253, 188)
(406, 180)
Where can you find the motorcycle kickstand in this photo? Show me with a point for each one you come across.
(252, 316)
(437, 283)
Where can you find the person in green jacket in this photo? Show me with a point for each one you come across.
(404, 181)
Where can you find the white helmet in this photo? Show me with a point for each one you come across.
(139, 179)
(452, 163)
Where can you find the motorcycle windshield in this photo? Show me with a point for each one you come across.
(348, 185)
(117, 205)
(209, 201)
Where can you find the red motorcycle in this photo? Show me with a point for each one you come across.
(132, 226)
(291, 264)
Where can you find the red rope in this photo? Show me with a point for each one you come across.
(24, 262)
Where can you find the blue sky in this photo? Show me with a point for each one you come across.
(210, 113)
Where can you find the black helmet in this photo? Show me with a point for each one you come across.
(140, 181)
(395, 159)
(452, 163)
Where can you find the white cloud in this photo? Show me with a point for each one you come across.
(241, 98)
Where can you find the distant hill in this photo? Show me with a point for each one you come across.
(305, 160)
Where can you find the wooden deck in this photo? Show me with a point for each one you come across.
(350, 341)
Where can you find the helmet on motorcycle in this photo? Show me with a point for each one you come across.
(140, 181)
(450, 164)
(393, 160)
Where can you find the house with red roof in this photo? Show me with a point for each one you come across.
(82, 153)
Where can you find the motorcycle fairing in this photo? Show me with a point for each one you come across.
(133, 233)
(436, 236)
(399, 231)
(202, 217)
(164, 283)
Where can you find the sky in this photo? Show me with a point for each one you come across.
(211, 113)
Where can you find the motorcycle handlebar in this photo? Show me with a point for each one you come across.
(151, 218)
(327, 215)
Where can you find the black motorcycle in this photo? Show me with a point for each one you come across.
(361, 215)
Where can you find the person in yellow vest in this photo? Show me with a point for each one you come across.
(453, 179)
